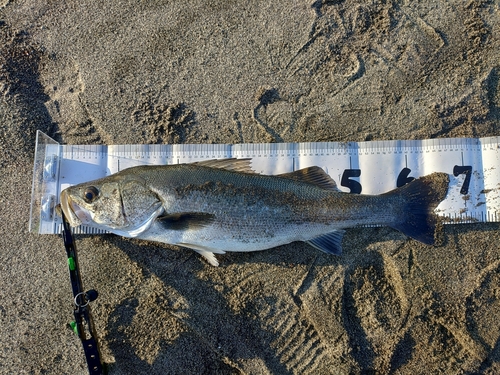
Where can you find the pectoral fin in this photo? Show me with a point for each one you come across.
(185, 220)
(330, 243)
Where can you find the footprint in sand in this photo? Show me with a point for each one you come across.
(482, 312)
(375, 309)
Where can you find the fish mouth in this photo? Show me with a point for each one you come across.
(75, 214)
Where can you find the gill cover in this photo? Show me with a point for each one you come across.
(123, 206)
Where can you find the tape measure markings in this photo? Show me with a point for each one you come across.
(358, 167)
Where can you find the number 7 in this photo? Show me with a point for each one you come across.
(467, 170)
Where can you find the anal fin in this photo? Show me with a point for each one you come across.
(330, 243)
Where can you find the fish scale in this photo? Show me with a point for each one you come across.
(217, 206)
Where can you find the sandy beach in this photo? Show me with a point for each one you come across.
(198, 71)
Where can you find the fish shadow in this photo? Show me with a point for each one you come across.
(221, 340)
(219, 343)
(213, 338)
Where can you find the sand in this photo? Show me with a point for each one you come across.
(88, 72)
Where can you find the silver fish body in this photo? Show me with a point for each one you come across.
(218, 206)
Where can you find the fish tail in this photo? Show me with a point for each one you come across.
(420, 198)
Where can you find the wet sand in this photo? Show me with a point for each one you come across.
(233, 72)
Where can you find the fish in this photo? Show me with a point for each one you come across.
(222, 205)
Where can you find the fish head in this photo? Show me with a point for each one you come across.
(121, 204)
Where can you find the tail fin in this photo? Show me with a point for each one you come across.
(420, 197)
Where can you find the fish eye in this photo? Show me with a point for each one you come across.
(90, 194)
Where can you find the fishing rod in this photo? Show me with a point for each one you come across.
(82, 325)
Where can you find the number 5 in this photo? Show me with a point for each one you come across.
(352, 185)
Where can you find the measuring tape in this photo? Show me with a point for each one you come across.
(358, 167)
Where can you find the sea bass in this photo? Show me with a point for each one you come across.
(222, 205)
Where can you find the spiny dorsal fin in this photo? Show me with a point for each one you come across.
(232, 164)
(312, 175)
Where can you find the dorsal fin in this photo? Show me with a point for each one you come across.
(232, 164)
(312, 175)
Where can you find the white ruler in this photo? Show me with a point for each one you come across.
(357, 167)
